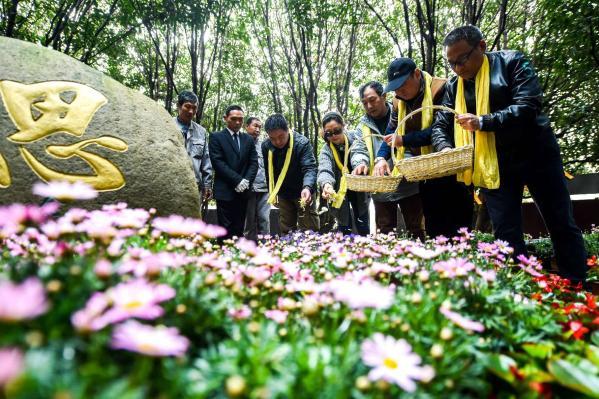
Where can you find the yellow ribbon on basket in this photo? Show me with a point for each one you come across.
(367, 137)
(426, 120)
(340, 196)
(273, 189)
(485, 171)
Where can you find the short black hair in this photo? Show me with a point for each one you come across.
(186, 96)
(232, 108)
(250, 119)
(332, 116)
(470, 33)
(377, 86)
(275, 122)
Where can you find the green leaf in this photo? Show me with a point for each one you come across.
(592, 353)
(500, 366)
(574, 377)
(542, 350)
(121, 389)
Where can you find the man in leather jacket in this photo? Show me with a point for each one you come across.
(527, 150)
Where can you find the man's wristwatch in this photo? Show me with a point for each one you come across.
(377, 159)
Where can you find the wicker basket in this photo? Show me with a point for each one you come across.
(422, 167)
(370, 184)
(434, 165)
(438, 164)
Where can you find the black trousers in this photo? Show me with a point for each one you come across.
(547, 185)
(231, 215)
(447, 205)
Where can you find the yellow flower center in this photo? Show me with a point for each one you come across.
(390, 363)
(133, 305)
(146, 347)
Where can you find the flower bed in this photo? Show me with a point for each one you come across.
(120, 303)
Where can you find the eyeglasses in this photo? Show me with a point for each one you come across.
(331, 133)
(462, 60)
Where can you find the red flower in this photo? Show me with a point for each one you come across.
(592, 261)
(517, 373)
(578, 329)
(537, 297)
(569, 308)
(543, 389)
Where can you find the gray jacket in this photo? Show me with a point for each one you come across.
(196, 144)
(328, 172)
(405, 189)
(259, 185)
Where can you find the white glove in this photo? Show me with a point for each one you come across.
(242, 186)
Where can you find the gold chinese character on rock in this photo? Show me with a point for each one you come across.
(41, 109)
(4, 173)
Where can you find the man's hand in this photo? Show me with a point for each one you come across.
(207, 194)
(327, 191)
(398, 140)
(446, 149)
(242, 186)
(468, 122)
(306, 196)
(382, 168)
(361, 169)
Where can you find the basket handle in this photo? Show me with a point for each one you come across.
(408, 116)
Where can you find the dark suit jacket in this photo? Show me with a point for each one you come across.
(230, 164)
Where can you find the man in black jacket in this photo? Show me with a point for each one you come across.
(235, 163)
(524, 150)
(291, 176)
(446, 203)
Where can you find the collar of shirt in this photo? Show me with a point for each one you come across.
(232, 133)
(184, 128)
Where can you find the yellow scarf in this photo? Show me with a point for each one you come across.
(272, 188)
(485, 171)
(369, 146)
(338, 200)
(427, 115)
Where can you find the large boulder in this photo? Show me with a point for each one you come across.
(62, 120)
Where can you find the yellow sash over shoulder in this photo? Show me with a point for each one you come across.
(338, 201)
(273, 189)
(485, 171)
(366, 136)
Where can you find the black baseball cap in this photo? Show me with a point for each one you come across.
(398, 72)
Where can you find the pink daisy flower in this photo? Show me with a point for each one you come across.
(137, 298)
(367, 294)
(12, 362)
(462, 321)
(22, 301)
(65, 191)
(179, 226)
(393, 361)
(147, 340)
(278, 316)
(453, 267)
